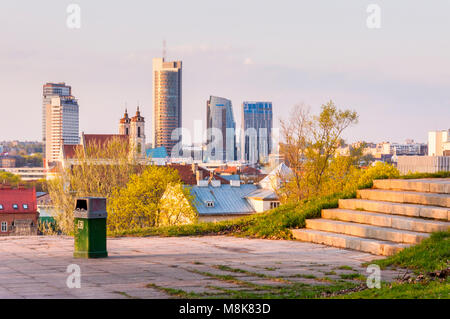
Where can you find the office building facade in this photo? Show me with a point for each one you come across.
(221, 130)
(50, 90)
(167, 103)
(62, 126)
(256, 133)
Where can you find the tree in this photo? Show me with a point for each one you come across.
(138, 205)
(296, 136)
(9, 178)
(310, 144)
(176, 206)
(96, 170)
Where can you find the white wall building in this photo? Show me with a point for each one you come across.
(438, 143)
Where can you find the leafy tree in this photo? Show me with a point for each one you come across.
(9, 178)
(380, 170)
(96, 170)
(310, 144)
(138, 205)
(176, 206)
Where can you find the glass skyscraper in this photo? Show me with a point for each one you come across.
(256, 134)
(167, 110)
(221, 130)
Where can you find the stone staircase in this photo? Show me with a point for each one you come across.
(385, 219)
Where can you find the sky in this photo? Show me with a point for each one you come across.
(396, 77)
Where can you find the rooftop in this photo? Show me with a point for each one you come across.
(159, 152)
(188, 176)
(226, 199)
(17, 200)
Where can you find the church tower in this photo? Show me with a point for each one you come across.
(137, 134)
(124, 125)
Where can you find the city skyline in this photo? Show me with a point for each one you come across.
(399, 88)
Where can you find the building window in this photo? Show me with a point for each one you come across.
(139, 132)
(15, 206)
(126, 131)
(25, 206)
(1, 207)
(4, 227)
(209, 203)
(274, 205)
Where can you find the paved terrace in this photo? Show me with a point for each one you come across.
(35, 267)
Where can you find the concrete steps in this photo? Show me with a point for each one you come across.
(385, 219)
(366, 231)
(432, 185)
(372, 246)
(408, 197)
(412, 210)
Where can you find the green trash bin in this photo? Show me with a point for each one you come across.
(90, 228)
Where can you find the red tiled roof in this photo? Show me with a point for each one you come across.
(103, 139)
(189, 178)
(248, 170)
(19, 197)
(70, 151)
(227, 170)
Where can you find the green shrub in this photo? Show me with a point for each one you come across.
(380, 170)
(426, 175)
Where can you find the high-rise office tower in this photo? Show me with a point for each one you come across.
(50, 90)
(221, 130)
(166, 102)
(256, 134)
(62, 125)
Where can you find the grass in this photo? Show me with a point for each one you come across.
(432, 254)
(125, 294)
(250, 273)
(306, 276)
(427, 290)
(352, 276)
(344, 268)
(175, 292)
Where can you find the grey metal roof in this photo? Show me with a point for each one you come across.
(266, 194)
(227, 199)
(231, 177)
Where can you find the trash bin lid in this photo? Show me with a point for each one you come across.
(90, 207)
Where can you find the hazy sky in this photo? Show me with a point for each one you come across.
(397, 77)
